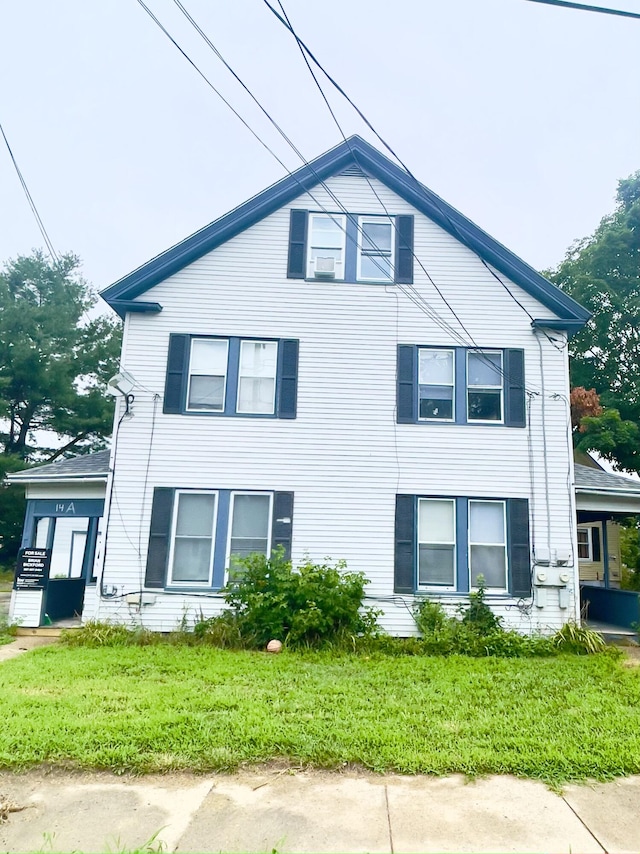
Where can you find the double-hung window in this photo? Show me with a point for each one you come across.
(257, 377)
(436, 384)
(194, 522)
(376, 241)
(484, 385)
(350, 247)
(207, 375)
(444, 544)
(197, 536)
(327, 239)
(585, 550)
(459, 385)
(488, 544)
(436, 543)
(250, 528)
(220, 376)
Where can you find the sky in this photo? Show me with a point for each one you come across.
(523, 116)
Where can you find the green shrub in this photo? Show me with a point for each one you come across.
(222, 631)
(311, 605)
(477, 632)
(478, 615)
(578, 639)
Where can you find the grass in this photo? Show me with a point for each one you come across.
(6, 579)
(165, 708)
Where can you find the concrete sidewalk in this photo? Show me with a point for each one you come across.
(313, 812)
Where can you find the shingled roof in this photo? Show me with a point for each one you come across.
(591, 479)
(95, 466)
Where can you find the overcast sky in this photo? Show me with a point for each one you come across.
(523, 116)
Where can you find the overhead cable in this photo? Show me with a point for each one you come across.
(32, 204)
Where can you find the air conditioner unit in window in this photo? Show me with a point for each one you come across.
(325, 268)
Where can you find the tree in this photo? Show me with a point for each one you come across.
(54, 364)
(54, 360)
(603, 273)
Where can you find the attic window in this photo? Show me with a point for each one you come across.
(327, 235)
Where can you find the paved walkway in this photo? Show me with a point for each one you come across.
(313, 812)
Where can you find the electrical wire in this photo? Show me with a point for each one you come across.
(584, 8)
(437, 201)
(32, 204)
(416, 297)
(305, 50)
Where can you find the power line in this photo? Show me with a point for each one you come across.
(415, 297)
(32, 204)
(409, 290)
(418, 298)
(584, 8)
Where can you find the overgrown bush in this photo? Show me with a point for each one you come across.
(478, 615)
(476, 631)
(311, 605)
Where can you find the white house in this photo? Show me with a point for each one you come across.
(348, 367)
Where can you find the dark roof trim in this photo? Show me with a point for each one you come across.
(359, 152)
(570, 326)
(122, 306)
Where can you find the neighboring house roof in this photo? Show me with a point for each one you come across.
(86, 467)
(590, 479)
(122, 295)
(601, 492)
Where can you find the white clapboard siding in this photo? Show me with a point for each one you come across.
(25, 608)
(344, 456)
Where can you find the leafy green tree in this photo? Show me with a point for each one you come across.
(54, 360)
(54, 363)
(603, 273)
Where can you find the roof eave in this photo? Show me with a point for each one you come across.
(358, 151)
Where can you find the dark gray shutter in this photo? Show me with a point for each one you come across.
(518, 546)
(515, 412)
(405, 544)
(288, 378)
(282, 524)
(595, 542)
(297, 263)
(159, 536)
(177, 362)
(404, 250)
(406, 392)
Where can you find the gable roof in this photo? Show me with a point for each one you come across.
(122, 295)
(93, 466)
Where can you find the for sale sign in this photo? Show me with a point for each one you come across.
(32, 572)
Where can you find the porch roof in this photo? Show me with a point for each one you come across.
(601, 491)
(85, 467)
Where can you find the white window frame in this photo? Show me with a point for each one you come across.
(232, 501)
(453, 384)
(391, 254)
(476, 352)
(189, 375)
(244, 341)
(505, 545)
(589, 543)
(341, 219)
(443, 588)
(174, 524)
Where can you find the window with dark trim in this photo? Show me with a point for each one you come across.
(229, 376)
(197, 535)
(458, 385)
(443, 544)
(367, 248)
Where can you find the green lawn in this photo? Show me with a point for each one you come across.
(169, 707)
